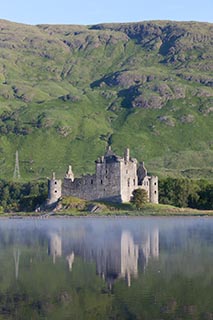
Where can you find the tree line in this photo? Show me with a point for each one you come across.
(182, 192)
(16, 196)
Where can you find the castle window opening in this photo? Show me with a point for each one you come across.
(55, 182)
(155, 183)
(106, 171)
(101, 181)
(155, 192)
(128, 182)
(134, 182)
(91, 181)
(55, 191)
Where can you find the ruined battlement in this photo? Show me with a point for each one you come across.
(114, 180)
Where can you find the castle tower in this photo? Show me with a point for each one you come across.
(153, 187)
(54, 189)
(128, 176)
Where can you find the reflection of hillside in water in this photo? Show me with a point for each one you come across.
(116, 254)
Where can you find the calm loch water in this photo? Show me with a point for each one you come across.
(107, 268)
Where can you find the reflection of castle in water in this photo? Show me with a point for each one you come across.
(55, 246)
(129, 256)
(116, 256)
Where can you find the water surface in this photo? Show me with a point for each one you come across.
(106, 268)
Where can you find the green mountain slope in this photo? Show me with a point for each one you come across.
(67, 91)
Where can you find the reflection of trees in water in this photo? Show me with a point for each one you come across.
(21, 236)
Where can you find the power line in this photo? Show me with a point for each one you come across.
(16, 174)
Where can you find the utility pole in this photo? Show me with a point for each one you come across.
(16, 174)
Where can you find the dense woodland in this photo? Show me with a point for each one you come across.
(15, 196)
(186, 193)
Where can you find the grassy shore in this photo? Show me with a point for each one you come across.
(103, 209)
(147, 210)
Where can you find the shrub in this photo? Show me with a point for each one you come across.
(139, 198)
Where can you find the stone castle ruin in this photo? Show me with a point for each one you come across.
(114, 180)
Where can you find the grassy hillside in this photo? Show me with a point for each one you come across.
(67, 91)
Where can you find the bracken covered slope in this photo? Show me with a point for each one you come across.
(67, 91)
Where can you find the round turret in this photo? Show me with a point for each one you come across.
(54, 189)
(154, 189)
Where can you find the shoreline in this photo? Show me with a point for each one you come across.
(101, 217)
(108, 210)
(116, 214)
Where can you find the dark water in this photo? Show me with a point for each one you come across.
(107, 268)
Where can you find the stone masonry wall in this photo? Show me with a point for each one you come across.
(104, 185)
(146, 185)
(114, 181)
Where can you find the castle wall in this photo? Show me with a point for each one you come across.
(114, 181)
(146, 186)
(129, 179)
(104, 185)
(150, 184)
(81, 187)
(108, 181)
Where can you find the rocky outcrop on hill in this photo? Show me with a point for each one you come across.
(171, 39)
(67, 91)
(143, 90)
